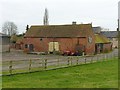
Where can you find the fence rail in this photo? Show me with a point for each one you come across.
(32, 65)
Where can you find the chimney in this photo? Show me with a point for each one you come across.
(117, 29)
(27, 27)
(73, 23)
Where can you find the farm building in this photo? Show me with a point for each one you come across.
(17, 42)
(97, 29)
(112, 36)
(102, 44)
(60, 38)
(4, 43)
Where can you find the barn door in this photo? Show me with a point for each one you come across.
(101, 47)
(53, 46)
(31, 47)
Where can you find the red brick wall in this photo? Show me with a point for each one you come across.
(107, 47)
(64, 44)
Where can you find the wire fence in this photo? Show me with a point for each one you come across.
(32, 65)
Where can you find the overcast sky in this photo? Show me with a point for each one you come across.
(102, 13)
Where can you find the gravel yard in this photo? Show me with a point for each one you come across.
(19, 60)
(20, 55)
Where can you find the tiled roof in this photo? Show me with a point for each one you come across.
(110, 34)
(79, 30)
(97, 29)
(19, 39)
(101, 39)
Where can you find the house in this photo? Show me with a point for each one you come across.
(97, 29)
(60, 38)
(4, 43)
(112, 36)
(17, 42)
(102, 44)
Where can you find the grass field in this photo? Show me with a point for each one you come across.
(95, 75)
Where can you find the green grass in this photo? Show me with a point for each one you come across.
(95, 75)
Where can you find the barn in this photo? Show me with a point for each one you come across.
(4, 43)
(60, 38)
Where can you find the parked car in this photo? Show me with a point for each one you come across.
(72, 53)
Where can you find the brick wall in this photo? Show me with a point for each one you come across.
(107, 46)
(42, 44)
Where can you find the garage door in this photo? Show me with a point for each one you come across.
(53, 46)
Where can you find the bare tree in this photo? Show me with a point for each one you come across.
(9, 28)
(45, 18)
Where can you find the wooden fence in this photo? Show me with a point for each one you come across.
(32, 65)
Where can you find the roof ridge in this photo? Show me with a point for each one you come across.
(63, 25)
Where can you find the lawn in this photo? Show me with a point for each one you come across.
(95, 75)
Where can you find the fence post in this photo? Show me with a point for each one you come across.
(97, 58)
(45, 63)
(77, 60)
(58, 61)
(114, 55)
(102, 57)
(71, 60)
(10, 68)
(111, 55)
(68, 61)
(108, 57)
(92, 58)
(85, 59)
(40, 64)
(30, 63)
(105, 57)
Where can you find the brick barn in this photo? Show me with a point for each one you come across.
(59, 38)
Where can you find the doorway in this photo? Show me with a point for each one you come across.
(31, 47)
(53, 46)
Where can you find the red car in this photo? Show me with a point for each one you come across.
(66, 53)
(71, 53)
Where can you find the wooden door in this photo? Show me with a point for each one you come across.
(31, 47)
(53, 46)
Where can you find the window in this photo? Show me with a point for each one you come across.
(90, 39)
(26, 46)
(41, 39)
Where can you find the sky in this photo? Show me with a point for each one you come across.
(102, 13)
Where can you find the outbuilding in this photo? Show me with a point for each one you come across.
(102, 44)
(4, 43)
(112, 36)
(60, 38)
